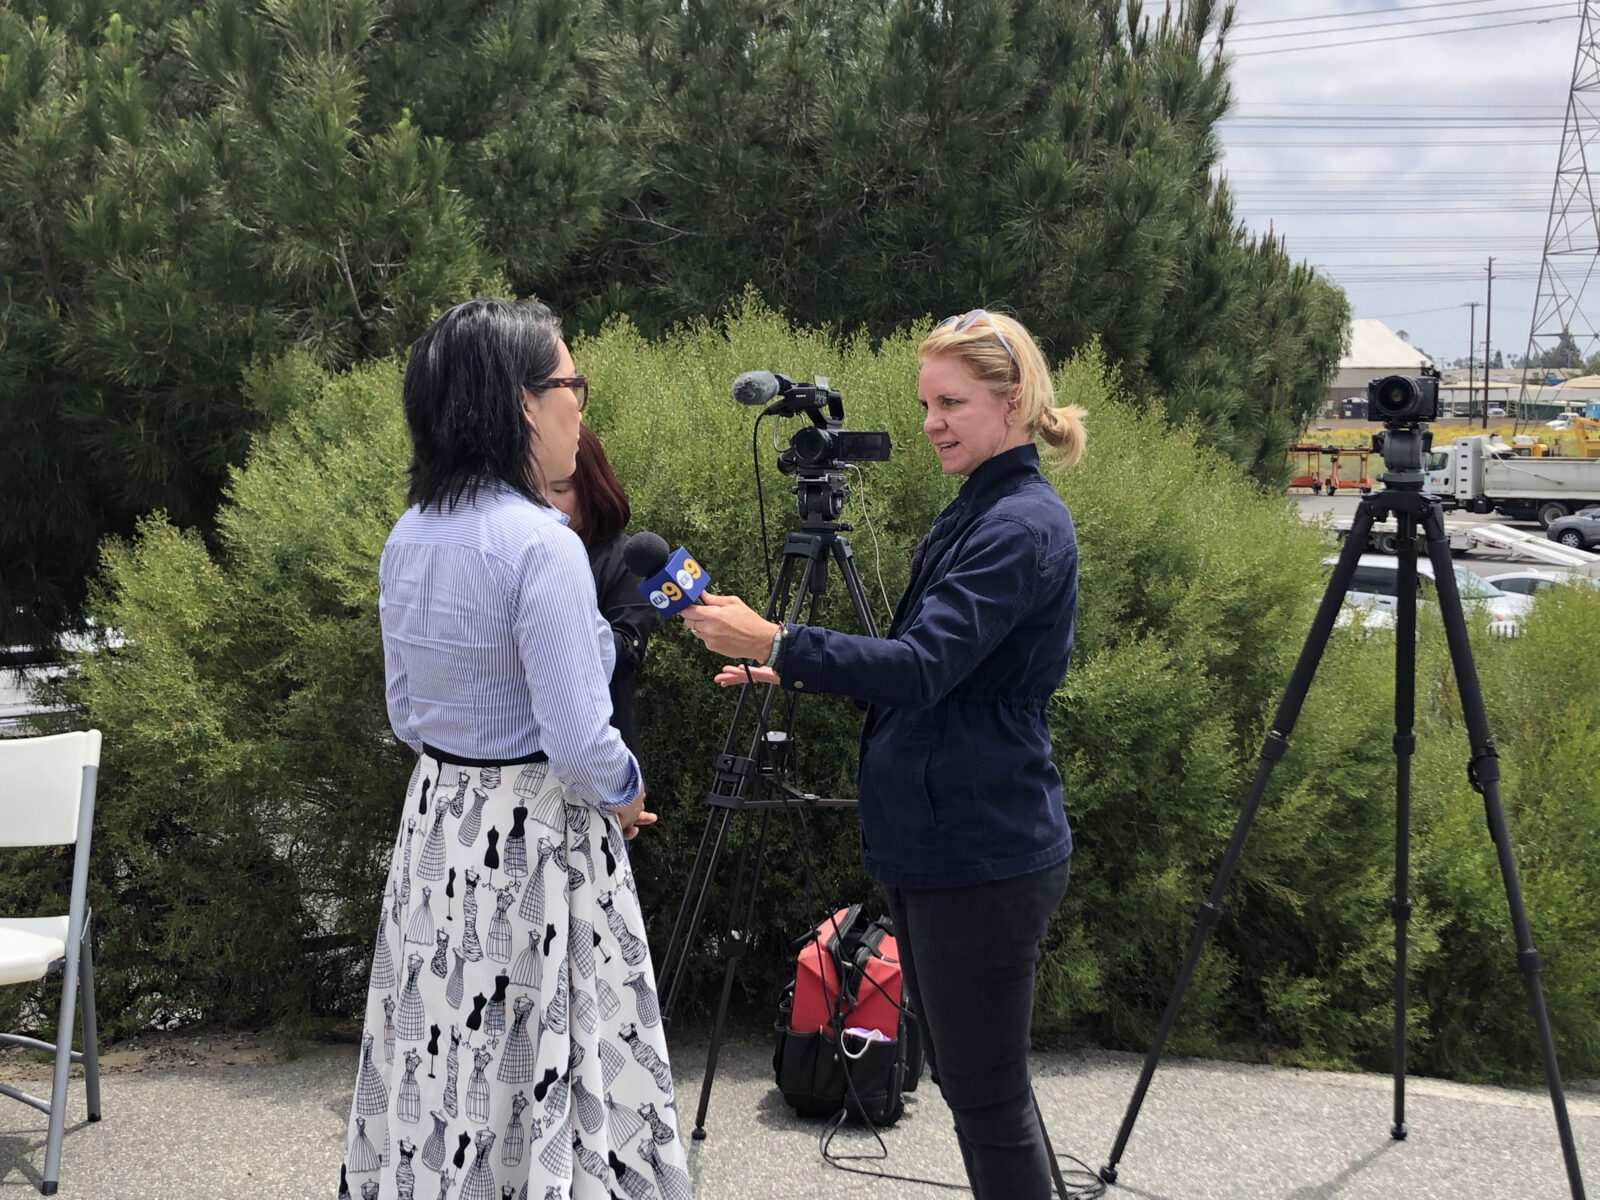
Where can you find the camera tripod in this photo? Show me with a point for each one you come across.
(1403, 449)
(763, 764)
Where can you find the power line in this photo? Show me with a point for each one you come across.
(1496, 12)
(1400, 37)
(1365, 12)
(1473, 143)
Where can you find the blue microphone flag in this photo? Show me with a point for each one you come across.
(675, 586)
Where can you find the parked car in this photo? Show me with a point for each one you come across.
(1496, 410)
(1581, 530)
(1531, 581)
(1559, 423)
(1376, 585)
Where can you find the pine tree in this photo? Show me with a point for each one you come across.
(183, 198)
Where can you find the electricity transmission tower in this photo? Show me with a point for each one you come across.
(1566, 308)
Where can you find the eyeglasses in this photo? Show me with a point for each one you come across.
(967, 320)
(578, 383)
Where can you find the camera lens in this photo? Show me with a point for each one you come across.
(811, 445)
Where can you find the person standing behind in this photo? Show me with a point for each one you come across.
(961, 810)
(597, 511)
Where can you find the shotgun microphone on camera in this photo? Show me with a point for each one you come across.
(755, 387)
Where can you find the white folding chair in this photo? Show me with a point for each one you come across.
(47, 799)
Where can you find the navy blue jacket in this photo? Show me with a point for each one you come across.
(955, 778)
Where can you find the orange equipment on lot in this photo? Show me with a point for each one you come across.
(1329, 468)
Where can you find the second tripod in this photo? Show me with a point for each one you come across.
(751, 774)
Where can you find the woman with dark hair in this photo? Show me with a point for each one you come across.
(597, 511)
(961, 813)
(497, 660)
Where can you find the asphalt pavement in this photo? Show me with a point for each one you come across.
(1208, 1131)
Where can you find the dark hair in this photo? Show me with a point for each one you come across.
(600, 493)
(463, 398)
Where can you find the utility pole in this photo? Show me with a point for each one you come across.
(1472, 352)
(1488, 313)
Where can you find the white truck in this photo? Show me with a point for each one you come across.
(1482, 475)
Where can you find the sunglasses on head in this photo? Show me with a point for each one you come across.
(965, 321)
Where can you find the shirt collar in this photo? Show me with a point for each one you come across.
(993, 475)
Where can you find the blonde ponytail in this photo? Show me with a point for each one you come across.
(1063, 431)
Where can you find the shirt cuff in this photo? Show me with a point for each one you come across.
(635, 781)
(800, 668)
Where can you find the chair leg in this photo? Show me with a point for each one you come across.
(91, 1028)
(58, 1087)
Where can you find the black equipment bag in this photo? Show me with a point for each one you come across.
(846, 1035)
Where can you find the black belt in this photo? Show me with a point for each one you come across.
(461, 760)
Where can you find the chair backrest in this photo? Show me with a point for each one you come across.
(41, 787)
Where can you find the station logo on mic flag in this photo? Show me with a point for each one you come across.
(677, 585)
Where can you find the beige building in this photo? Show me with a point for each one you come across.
(1375, 351)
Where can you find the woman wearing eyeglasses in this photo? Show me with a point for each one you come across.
(961, 813)
(497, 664)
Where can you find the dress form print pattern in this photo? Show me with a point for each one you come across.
(516, 1138)
(562, 1058)
(499, 943)
(515, 860)
(470, 947)
(478, 1183)
(412, 1023)
(433, 1149)
(452, 1072)
(388, 1029)
(478, 1086)
(408, 1102)
(532, 907)
(432, 864)
(473, 821)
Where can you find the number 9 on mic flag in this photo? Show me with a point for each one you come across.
(675, 586)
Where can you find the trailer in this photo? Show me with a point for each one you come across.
(1466, 537)
(1329, 468)
(1483, 475)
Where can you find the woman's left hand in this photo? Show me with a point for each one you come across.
(727, 625)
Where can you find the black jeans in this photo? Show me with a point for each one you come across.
(968, 955)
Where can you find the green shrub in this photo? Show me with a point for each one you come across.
(251, 782)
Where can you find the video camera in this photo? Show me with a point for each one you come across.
(818, 452)
(1405, 404)
(1404, 399)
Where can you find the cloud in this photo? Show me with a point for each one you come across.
(1399, 166)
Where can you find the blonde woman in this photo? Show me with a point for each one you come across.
(961, 813)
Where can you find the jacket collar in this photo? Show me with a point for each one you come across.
(996, 476)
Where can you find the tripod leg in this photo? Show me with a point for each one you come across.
(737, 944)
(1405, 741)
(1484, 771)
(1272, 751)
(671, 971)
(852, 584)
(732, 787)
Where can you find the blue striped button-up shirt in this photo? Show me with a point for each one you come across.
(493, 646)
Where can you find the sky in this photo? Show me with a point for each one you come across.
(1398, 163)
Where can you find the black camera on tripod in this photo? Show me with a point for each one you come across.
(818, 452)
(1405, 404)
(1404, 399)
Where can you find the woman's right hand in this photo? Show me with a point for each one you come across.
(734, 674)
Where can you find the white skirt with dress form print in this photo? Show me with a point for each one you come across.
(550, 1007)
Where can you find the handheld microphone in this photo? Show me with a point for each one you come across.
(673, 580)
